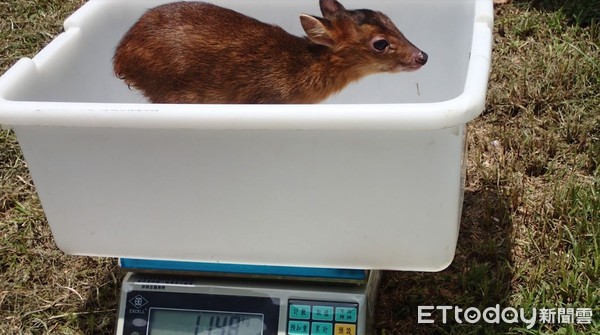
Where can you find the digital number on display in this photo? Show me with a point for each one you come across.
(192, 322)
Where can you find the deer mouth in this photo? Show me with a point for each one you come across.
(406, 68)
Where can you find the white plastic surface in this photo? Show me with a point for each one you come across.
(369, 179)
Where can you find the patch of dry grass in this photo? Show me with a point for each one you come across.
(530, 227)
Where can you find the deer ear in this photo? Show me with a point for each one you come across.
(330, 7)
(317, 29)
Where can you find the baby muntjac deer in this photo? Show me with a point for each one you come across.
(196, 52)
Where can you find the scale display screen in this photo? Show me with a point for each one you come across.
(203, 322)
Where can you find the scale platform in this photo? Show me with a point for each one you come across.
(188, 298)
(292, 273)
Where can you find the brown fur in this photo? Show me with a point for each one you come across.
(195, 52)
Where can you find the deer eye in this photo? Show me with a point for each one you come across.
(380, 45)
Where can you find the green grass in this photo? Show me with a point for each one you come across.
(531, 221)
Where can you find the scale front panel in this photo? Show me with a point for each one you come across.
(180, 306)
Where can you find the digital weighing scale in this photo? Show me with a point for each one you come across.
(187, 298)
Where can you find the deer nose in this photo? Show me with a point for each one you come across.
(421, 58)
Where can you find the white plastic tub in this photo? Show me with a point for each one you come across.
(372, 178)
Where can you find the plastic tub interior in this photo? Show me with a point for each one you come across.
(369, 179)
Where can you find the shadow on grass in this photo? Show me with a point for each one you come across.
(581, 13)
(479, 276)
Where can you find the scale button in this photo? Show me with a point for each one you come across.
(322, 313)
(300, 312)
(345, 329)
(298, 328)
(321, 328)
(345, 314)
(139, 322)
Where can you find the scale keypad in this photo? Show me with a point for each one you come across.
(311, 317)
